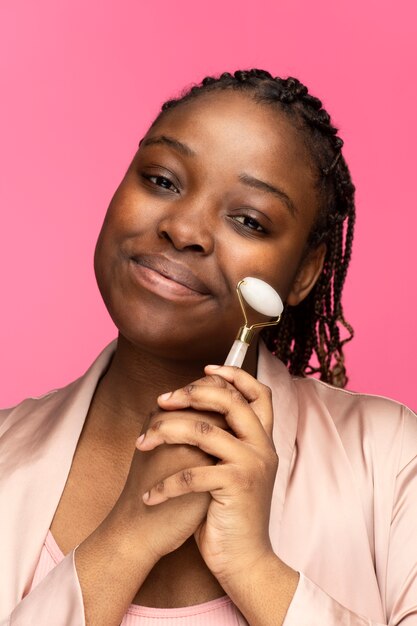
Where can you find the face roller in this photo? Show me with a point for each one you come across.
(262, 298)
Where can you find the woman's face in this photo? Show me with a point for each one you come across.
(221, 188)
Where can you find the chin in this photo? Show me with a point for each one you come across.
(173, 342)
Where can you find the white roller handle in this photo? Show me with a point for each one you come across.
(237, 353)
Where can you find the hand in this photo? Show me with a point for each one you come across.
(164, 529)
(235, 533)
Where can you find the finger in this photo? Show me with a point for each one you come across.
(191, 480)
(228, 402)
(186, 414)
(212, 380)
(202, 434)
(256, 393)
(206, 381)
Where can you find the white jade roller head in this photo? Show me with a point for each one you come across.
(262, 298)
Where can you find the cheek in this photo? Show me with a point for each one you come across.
(121, 215)
(129, 216)
(130, 204)
(115, 229)
(275, 263)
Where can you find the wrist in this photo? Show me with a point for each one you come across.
(262, 588)
(247, 565)
(111, 567)
(126, 528)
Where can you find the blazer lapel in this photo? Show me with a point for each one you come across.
(272, 372)
(37, 444)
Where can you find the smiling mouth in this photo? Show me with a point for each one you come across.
(163, 273)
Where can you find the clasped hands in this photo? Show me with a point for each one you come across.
(232, 526)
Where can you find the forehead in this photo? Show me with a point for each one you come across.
(238, 121)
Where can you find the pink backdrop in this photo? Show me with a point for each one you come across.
(81, 82)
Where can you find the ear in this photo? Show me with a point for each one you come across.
(307, 275)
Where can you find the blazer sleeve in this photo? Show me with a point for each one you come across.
(56, 600)
(311, 606)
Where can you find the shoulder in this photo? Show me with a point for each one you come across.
(30, 410)
(28, 403)
(345, 402)
(379, 423)
(34, 414)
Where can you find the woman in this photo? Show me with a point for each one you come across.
(251, 496)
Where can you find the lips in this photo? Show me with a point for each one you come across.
(174, 271)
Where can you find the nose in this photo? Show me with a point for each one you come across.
(187, 229)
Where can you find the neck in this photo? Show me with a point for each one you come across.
(128, 390)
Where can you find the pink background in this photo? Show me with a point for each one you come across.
(81, 80)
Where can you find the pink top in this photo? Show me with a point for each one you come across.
(220, 612)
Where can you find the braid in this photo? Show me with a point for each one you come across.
(308, 337)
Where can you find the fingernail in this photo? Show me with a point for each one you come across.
(139, 440)
(214, 367)
(145, 496)
(165, 396)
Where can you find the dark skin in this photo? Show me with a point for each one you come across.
(186, 223)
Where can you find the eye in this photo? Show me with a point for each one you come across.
(161, 181)
(250, 222)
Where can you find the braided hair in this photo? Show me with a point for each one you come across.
(308, 338)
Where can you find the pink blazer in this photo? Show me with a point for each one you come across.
(344, 510)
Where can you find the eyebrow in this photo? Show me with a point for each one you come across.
(250, 181)
(180, 147)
